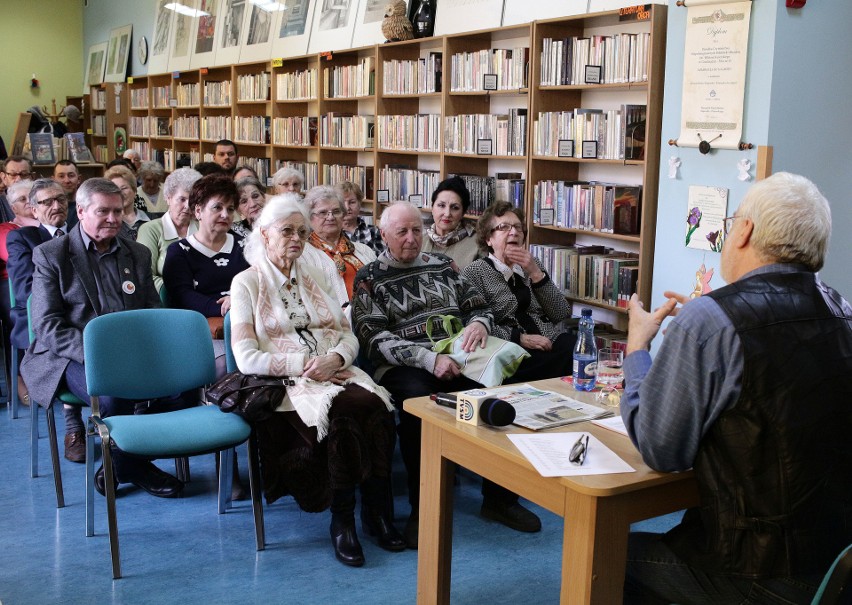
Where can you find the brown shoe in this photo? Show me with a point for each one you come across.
(75, 446)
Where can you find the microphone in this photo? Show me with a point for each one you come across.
(495, 412)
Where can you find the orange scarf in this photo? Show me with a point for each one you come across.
(343, 255)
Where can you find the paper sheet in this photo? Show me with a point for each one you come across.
(615, 423)
(548, 453)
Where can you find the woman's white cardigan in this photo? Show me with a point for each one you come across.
(265, 342)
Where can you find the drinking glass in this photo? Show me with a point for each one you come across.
(610, 368)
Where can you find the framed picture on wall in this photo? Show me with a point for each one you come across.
(95, 65)
(118, 50)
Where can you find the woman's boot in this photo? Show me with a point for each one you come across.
(375, 514)
(347, 548)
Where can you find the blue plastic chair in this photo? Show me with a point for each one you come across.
(171, 352)
(64, 396)
(836, 587)
(13, 401)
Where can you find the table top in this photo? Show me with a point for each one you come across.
(495, 441)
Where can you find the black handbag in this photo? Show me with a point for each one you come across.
(248, 395)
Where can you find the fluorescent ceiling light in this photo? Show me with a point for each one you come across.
(185, 10)
(269, 5)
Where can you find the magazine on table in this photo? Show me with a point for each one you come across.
(536, 409)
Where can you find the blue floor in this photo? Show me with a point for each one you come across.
(182, 551)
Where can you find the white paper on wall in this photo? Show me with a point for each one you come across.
(334, 22)
(455, 16)
(292, 29)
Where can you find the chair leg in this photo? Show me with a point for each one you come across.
(112, 520)
(13, 388)
(256, 487)
(50, 413)
(91, 431)
(34, 410)
(225, 478)
(182, 469)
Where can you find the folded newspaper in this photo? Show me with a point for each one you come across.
(536, 409)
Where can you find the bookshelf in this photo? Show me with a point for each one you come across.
(379, 116)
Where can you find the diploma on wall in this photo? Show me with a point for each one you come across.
(714, 69)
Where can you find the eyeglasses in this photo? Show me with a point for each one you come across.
(307, 339)
(336, 213)
(518, 227)
(14, 175)
(728, 223)
(289, 232)
(578, 452)
(62, 199)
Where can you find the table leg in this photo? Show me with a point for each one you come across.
(594, 549)
(435, 544)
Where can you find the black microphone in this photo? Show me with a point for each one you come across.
(495, 412)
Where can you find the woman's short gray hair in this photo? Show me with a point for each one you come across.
(792, 220)
(181, 179)
(250, 181)
(287, 174)
(320, 193)
(152, 169)
(17, 188)
(278, 207)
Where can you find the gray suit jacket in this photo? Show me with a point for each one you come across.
(65, 299)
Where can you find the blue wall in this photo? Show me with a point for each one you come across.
(100, 16)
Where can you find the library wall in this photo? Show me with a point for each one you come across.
(100, 16)
(49, 43)
(809, 124)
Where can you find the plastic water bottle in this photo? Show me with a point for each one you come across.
(585, 353)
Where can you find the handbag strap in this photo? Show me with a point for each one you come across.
(452, 326)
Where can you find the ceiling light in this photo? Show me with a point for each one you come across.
(185, 10)
(269, 5)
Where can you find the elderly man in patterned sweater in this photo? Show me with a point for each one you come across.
(393, 298)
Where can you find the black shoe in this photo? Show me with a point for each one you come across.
(347, 548)
(157, 482)
(376, 524)
(512, 515)
(100, 481)
(412, 530)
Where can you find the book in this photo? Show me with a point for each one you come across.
(80, 154)
(41, 145)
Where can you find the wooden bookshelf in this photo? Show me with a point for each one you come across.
(222, 104)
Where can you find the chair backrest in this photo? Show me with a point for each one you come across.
(148, 353)
(164, 296)
(836, 587)
(230, 360)
(11, 293)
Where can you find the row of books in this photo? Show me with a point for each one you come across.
(594, 273)
(508, 133)
(413, 77)
(101, 153)
(588, 205)
(186, 127)
(143, 148)
(252, 129)
(139, 126)
(309, 170)
(622, 58)
(298, 131)
(299, 84)
(99, 125)
(259, 165)
(510, 187)
(402, 182)
(162, 96)
(253, 87)
(345, 81)
(172, 160)
(215, 128)
(217, 94)
(99, 99)
(44, 148)
(188, 95)
(333, 174)
(509, 65)
(421, 132)
(346, 130)
(617, 133)
(482, 191)
(139, 98)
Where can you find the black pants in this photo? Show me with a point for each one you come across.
(405, 383)
(555, 363)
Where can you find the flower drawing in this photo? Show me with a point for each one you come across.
(693, 220)
(715, 238)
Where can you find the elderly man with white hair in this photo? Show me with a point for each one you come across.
(750, 388)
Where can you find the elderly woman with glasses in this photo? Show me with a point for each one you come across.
(134, 217)
(251, 201)
(528, 308)
(288, 180)
(329, 246)
(333, 431)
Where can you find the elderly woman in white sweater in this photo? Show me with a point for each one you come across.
(334, 429)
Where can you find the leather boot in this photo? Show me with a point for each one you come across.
(238, 492)
(375, 518)
(344, 538)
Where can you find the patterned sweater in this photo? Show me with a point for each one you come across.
(547, 308)
(392, 302)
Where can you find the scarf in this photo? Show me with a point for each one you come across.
(342, 254)
(464, 230)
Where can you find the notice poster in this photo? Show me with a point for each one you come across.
(705, 212)
(714, 69)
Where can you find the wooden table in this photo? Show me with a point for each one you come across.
(597, 509)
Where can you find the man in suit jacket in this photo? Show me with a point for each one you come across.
(88, 273)
(49, 204)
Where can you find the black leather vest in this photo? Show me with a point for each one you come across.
(775, 470)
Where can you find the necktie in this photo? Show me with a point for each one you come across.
(59, 233)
